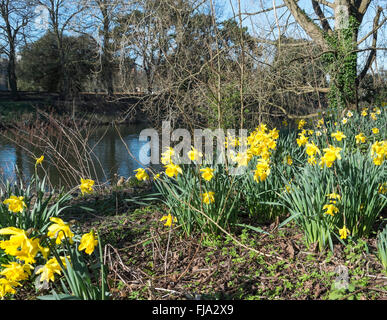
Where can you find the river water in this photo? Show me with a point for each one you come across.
(110, 152)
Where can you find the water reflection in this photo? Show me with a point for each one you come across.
(7, 160)
(110, 156)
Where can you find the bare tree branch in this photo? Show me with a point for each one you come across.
(321, 16)
(313, 30)
(372, 54)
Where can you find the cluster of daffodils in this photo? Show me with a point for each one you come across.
(303, 138)
(301, 124)
(373, 115)
(330, 154)
(311, 151)
(26, 249)
(171, 169)
(207, 174)
(261, 142)
(360, 138)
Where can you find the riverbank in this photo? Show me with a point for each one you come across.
(84, 109)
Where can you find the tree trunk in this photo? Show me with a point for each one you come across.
(345, 73)
(340, 44)
(65, 82)
(107, 72)
(12, 79)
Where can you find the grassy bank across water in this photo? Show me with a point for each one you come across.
(83, 108)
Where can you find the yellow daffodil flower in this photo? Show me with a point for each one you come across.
(86, 186)
(312, 149)
(141, 174)
(301, 124)
(19, 245)
(194, 155)
(312, 160)
(6, 286)
(382, 188)
(379, 152)
(262, 170)
(39, 160)
(334, 196)
(344, 232)
(166, 157)
(208, 197)
(172, 170)
(302, 140)
(330, 156)
(15, 204)
(360, 138)
(169, 220)
(338, 135)
(242, 158)
(50, 268)
(59, 230)
(15, 271)
(88, 242)
(331, 209)
(156, 176)
(207, 173)
(320, 123)
(274, 134)
(289, 160)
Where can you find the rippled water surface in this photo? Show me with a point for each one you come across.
(111, 155)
